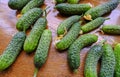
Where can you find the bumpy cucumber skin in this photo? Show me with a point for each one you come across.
(11, 52)
(69, 38)
(42, 49)
(108, 61)
(66, 24)
(74, 49)
(111, 29)
(72, 9)
(93, 25)
(102, 9)
(32, 4)
(73, 1)
(60, 1)
(91, 61)
(28, 19)
(32, 39)
(117, 58)
(17, 4)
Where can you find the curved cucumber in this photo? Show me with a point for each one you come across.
(100, 10)
(17, 4)
(117, 58)
(66, 24)
(93, 56)
(111, 29)
(69, 38)
(11, 52)
(32, 39)
(74, 49)
(60, 1)
(28, 19)
(42, 50)
(93, 25)
(72, 9)
(32, 4)
(73, 1)
(108, 61)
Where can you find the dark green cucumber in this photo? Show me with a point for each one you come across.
(32, 39)
(92, 59)
(73, 1)
(108, 61)
(32, 4)
(100, 10)
(69, 38)
(28, 19)
(11, 52)
(42, 50)
(117, 58)
(74, 49)
(93, 25)
(66, 24)
(111, 29)
(17, 4)
(60, 1)
(72, 9)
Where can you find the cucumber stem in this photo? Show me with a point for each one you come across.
(35, 72)
(45, 12)
(102, 42)
(107, 18)
(75, 71)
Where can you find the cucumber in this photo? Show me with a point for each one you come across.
(100, 10)
(32, 39)
(108, 61)
(93, 25)
(69, 38)
(60, 1)
(111, 29)
(12, 50)
(28, 19)
(117, 58)
(92, 59)
(74, 49)
(17, 4)
(72, 9)
(66, 24)
(73, 1)
(32, 4)
(42, 50)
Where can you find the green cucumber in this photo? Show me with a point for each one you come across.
(72, 9)
(42, 50)
(73, 1)
(74, 49)
(66, 24)
(92, 59)
(108, 61)
(117, 58)
(32, 4)
(12, 50)
(60, 1)
(111, 29)
(93, 25)
(17, 4)
(100, 10)
(28, 19)
(69, 38)
(32, 39)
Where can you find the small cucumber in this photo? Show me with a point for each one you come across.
(74, 49)
(17, 4)
(11, 52)
(72, 9)
(93, 25)
(91, 62)
(111, 29)
(28, 19)
(32, 4)
(32, 39)
(42, 50)
(69, 38)
(73, 1)
(100, 10)
(60, 1)
(108, 61)
(117, 58)
(66, 24)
